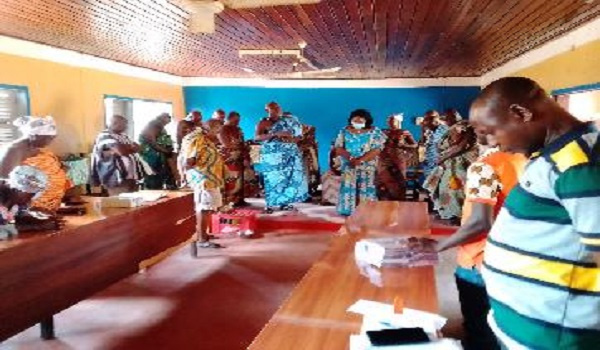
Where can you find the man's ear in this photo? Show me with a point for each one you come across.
(521, 112)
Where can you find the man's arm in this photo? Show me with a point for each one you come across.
(578, 189)
(479, 221)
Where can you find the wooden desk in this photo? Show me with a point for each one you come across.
(315, 317)
(44, 273)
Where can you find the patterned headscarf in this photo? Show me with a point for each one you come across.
(30, 125)
(27, 179)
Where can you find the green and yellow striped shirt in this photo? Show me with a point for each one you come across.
(538, 267)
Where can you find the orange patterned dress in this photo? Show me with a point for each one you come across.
(58, 182)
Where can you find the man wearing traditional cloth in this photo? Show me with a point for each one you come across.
(115, 162)
(213, 125)
(205, 175)
(232, 149)
(30, 149)
(281, 160)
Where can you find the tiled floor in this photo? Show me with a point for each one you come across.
(219, 301)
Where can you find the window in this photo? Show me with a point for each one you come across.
(138, 112)
(13, 104)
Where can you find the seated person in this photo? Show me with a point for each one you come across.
(38, 133)
(24, 184)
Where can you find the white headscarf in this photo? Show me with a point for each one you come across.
(30, 125)
(27, 179)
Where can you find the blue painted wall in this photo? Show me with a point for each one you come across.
(328, 108)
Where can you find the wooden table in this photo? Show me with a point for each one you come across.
(315, 317)
(44, 273)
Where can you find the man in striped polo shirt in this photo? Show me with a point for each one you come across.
(541, 261)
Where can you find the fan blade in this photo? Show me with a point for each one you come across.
(324, 71)
(247, 4)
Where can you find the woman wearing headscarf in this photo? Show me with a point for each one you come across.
(457, 150)
(31, 149)
(398, 153)
(359, 145)
(23, 185)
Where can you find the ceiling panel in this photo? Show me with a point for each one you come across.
(367, 38)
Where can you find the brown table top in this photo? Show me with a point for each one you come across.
(46, 272)
(94, 214)
(315, 317)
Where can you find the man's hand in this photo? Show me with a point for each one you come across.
(354, 162)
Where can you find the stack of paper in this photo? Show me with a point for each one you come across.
(397, 251)
(144, 196)
(379, 316)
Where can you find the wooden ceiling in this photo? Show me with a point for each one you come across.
(367, 38)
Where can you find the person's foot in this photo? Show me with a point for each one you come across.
(268, 210)
(209, 245)
(288, 207)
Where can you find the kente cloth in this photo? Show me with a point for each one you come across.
(58, 182)
(393, 162)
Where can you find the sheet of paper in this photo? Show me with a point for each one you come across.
(368, 307)
(369, 252)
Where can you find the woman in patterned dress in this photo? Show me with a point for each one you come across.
(359, 145)
(398, 153)
(457, 150)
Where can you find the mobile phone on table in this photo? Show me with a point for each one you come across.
(399, 336)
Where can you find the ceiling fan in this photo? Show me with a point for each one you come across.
(202, 12)
(299, 58)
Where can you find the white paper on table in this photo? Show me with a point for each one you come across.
(371, 272)
(151, 196)
(368, 307)
(369, 252)
(362, 342)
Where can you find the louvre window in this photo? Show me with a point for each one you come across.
(12, 105)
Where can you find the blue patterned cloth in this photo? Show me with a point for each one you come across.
(358, 183)
(282, 167)
(432, 142)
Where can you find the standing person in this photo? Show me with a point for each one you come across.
(457, 150)
(232, 146)
(332, 179)
(204, 172)
(542, 258)
(433, 132)
(359, 145)
(310, 155)
(399, 151)
(185, 127)
(281, 160)
(214, 124)
(194, 118)
(489, 181)
(157, 151)
(31, 149)
(115, 162)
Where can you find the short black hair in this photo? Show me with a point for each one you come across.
(363, 113)
(233, 114)
(512, 90)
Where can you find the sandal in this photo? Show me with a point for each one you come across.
(209, 245)
(288, 207)
(268, 210)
